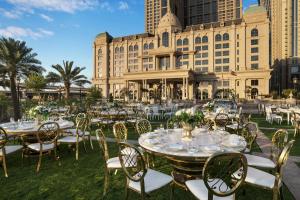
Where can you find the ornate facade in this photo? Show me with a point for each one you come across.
(190, 63)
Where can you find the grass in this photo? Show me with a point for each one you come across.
(83, 179)
(262, 123)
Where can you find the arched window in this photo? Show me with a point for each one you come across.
(218, 38)
(130, 48)
(146, 47)
(205, 39)
(121, 49)
(198, 40)
(185, 41)
(225, 36)
(254, 32)
(136, 47)
(117, 50)
(165, 39)
(151, 46)
(179, 42)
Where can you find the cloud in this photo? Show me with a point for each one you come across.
(46, 17)
(13, 14)
(69, 6)
(106, 6)
(19, 32)
(123, 5)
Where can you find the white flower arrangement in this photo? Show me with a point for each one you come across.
(38, 110)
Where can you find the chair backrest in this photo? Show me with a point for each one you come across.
(250, 137)
(218, 173)
(143, 126)
(3, 137)
(283, 157)
(79, 117)
(102, 143)
(221, 120)
(120, 131)
(54, 116)
(48, 133)
(132, 162)
(279, 140)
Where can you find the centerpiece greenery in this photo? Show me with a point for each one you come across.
(39, 113)
(189, 118)
(210, 106)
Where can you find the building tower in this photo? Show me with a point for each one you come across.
(285, 40)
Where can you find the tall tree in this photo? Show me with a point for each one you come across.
(17, 61)
(68, 75)
(36, 82)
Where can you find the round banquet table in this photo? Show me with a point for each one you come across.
(187, 157)
(30, 127)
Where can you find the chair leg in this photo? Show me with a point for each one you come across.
(40, 162)
(84, 146)
(172, 191)
(77, 151)
(91, 142)
(281, 193)
(106, 182)
(4, 165)
(126, 190)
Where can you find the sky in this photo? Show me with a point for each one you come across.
(60, 30)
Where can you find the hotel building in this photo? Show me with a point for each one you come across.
(187, 63)
(285, 40)
(191, 12)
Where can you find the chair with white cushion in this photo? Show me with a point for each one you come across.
(217, 182)
(78, 137)
(47, 141)
(109, 163)
(266, 180)
(140, 178)
(6, 149)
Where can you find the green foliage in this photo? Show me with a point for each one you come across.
(93, 95)
(286, 93)
(190, 118)
(36, 82)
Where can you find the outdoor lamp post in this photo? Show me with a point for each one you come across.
(295, 82)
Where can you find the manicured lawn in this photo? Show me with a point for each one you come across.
(84, 179)
(262, 123)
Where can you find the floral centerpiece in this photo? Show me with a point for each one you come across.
(209, 106)
(39, 113)
(189, 118)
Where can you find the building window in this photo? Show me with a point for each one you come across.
(185, 41)
(130, 48)
(254, 66)
(179, 42)
(254, 58)
(218, 61)
(205, 39)
(225, 53)
(204, 62)
(151, 46)
(254, 50)
(136, 47)
(204, 55)
(146, 47)
(218, 46)
(197, 40)
(218, 53)
(197, 48)
(226, 60)
(226, 45)
(254, 32)
(254, 42)
(198, 62)
(205, 47)
(254, 82)
(165, 39)
(218, 69)
(218, 38)
(225, 36)
(225, 68)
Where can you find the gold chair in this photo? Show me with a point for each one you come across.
(221, 120)
(109, 163)
(140, 178)
(249, 132)
(143, 126)
(266, 180)
(279, 140)
(6, 149)
(295, 119)
(47, 141)
(218, 182)
(120, 132)
(79, 135)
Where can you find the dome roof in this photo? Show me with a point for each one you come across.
(255, 9)
(169, 19)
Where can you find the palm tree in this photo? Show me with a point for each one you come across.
(16, 62)
(68, 75)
